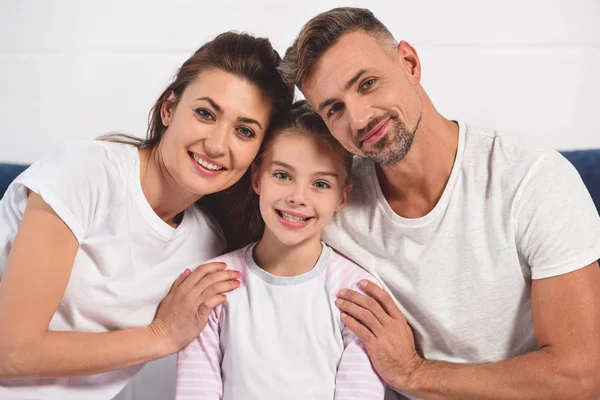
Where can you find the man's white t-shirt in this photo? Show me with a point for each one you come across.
(127, 260)
(462, 273)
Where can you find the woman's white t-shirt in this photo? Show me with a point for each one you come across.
(127, 260)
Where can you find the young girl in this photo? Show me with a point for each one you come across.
(93, 236)
(279, 336)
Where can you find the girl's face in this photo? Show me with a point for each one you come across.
(214, 132)
(301, 183)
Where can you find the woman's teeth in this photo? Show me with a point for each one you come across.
(206, 164)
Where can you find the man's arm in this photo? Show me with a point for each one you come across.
(566, 317)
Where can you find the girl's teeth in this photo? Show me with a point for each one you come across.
(292, 218)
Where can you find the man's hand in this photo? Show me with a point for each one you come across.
(376, 320)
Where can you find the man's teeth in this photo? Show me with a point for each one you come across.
(206, 164)
(292, 218)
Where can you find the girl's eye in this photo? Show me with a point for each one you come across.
(322, 185)
(367, 84)
(246, 132)
(281, 175)
(335, 108)
(205, 114)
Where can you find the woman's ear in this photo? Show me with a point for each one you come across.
(344, 198)
(255, 177)
(166, 109)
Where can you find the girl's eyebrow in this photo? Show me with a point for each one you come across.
(320, 173)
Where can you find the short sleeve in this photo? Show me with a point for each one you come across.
(78, 181)
(557, 225)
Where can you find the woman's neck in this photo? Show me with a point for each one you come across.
(162, 192)
(280, 259)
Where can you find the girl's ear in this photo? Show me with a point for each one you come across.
(166, 109)
(344, 198)
(255, 177)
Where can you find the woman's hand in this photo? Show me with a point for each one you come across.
(184, 312)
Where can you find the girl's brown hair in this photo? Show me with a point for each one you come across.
(303, 120)
(249, 58)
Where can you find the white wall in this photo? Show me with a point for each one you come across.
(76, 69)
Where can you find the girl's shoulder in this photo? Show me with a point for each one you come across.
(341, 272)
(235, 260)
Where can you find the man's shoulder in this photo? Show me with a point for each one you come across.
(490, 153)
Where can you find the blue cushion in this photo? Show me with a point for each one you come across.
(587, 163)
(8, 172)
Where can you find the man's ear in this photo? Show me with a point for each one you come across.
(255, 178)
(166, 109)
(344, 198)
(410, 61)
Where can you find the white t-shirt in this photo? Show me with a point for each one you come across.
(280, 338)
(462, 273)
(127, 260)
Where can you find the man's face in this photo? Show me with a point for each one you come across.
(367, 94)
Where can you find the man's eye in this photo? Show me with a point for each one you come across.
(368, 83)
(335, 108)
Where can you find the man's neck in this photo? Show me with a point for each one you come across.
(414, 186)
(286, 260)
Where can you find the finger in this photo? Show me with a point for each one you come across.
(200, 273)
(218, 288)
(179, 280)
(361, 331)
(382, 297)
(360, 314)
(206, 307)
(365, 302)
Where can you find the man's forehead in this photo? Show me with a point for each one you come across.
(353, 53)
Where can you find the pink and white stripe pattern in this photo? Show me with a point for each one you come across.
(199, 374)
(355, 378)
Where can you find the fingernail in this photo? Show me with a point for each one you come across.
(339, 302)
(363, 284)
(343, 291)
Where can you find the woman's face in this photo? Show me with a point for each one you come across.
(214, 131)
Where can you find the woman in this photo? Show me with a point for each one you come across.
(94, 234)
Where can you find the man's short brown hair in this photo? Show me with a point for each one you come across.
(320, 34)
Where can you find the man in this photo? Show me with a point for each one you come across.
(488, 250)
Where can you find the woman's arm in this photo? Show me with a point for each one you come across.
(34, 281)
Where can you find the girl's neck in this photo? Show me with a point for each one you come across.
(286, 260)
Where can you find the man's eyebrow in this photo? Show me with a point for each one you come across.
(212, 103)
(350, 83)
(355, 78)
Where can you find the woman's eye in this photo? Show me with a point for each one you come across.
(281, 175)
(322, 185)
(246, 133)
(204, 114)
